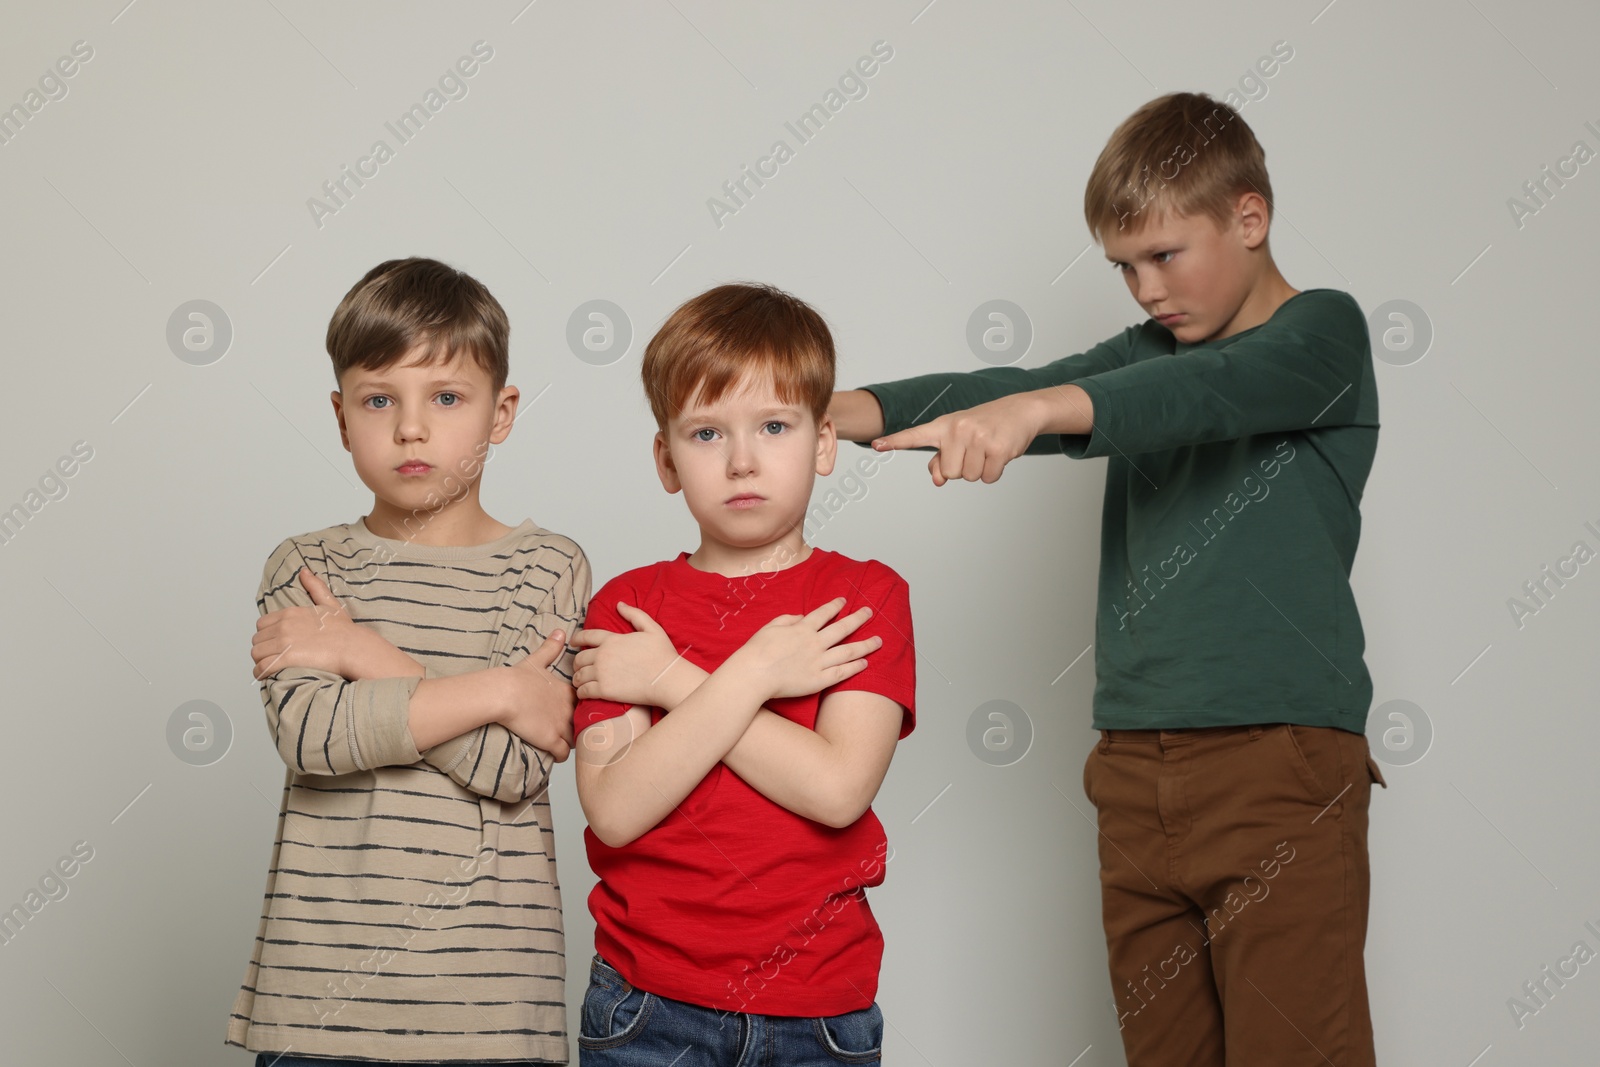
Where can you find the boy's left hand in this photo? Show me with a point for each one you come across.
(626, 668)
(320, 636)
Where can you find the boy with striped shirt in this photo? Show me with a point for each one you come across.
(413, 911)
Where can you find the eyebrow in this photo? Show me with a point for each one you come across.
(782, 409)
(435, 384)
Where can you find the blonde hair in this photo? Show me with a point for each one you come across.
(1184, 153)
(401, 303)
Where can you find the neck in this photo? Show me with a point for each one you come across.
(1266, 297)
(459, 522)
(1275, 289)
(735, 561)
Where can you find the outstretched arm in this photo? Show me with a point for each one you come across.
(977, 443)
(864, 415)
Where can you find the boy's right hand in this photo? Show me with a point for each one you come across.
(539, 701)
(976, 443)
(797, 655)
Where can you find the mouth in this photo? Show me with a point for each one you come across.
(413, 466)
(1168, 320)
(745, 500)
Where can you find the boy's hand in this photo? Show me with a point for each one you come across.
(624, 667)
(319, 636)
(324, 637)
(797, 655)
(977, 443)
(539, 701)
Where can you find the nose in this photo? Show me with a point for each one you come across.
(741, 455)
(1150, 288)
(410, 426)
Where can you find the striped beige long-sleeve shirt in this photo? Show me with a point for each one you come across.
(412, 910)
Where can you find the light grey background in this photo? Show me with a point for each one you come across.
(578, 167)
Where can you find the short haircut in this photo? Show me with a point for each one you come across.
(403, 303)
(1185, 153)
(712, 340)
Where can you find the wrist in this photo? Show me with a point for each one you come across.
(751, 678)
(1059, 409)
(365, 653)
(501, 694)
(1036, 411)
(347, 653)
(676, 683)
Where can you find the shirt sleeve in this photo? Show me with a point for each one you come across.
(914, 401)
(1308, 371)
(320, 722)
(604, 616)
(891, 669)
(491, 760)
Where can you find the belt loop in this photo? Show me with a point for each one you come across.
(1105, 742)
(1256, 730)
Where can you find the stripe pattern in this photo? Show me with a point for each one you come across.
(412, 909)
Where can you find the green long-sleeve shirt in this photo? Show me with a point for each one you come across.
(1231, 511)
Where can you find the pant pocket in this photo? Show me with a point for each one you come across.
(1372, 769)
(1318, 759)
(854, 1037)
(1088, 770)
(614, 1012)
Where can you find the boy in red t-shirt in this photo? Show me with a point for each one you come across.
(729, 745)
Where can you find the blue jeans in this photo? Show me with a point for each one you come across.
(285, 1059)
(623, 1026)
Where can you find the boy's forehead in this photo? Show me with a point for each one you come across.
(458, 368)
(1157, 233)
(750, 393)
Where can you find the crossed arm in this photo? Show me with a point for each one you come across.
(632, 774)
(339, 697)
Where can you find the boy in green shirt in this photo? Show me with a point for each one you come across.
(1240, 422)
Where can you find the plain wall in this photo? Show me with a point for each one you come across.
(578, 167)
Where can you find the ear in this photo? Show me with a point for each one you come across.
(665, 469)
(1254, 219)
(505, 413)
(338, 414)
(827, 445)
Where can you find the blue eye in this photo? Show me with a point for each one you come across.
(781, 425)
(455, 396)
(370, 399)
(702, 430)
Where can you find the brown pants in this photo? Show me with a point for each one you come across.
(1233, 880)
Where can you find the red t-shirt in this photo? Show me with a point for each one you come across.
(732, 902)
